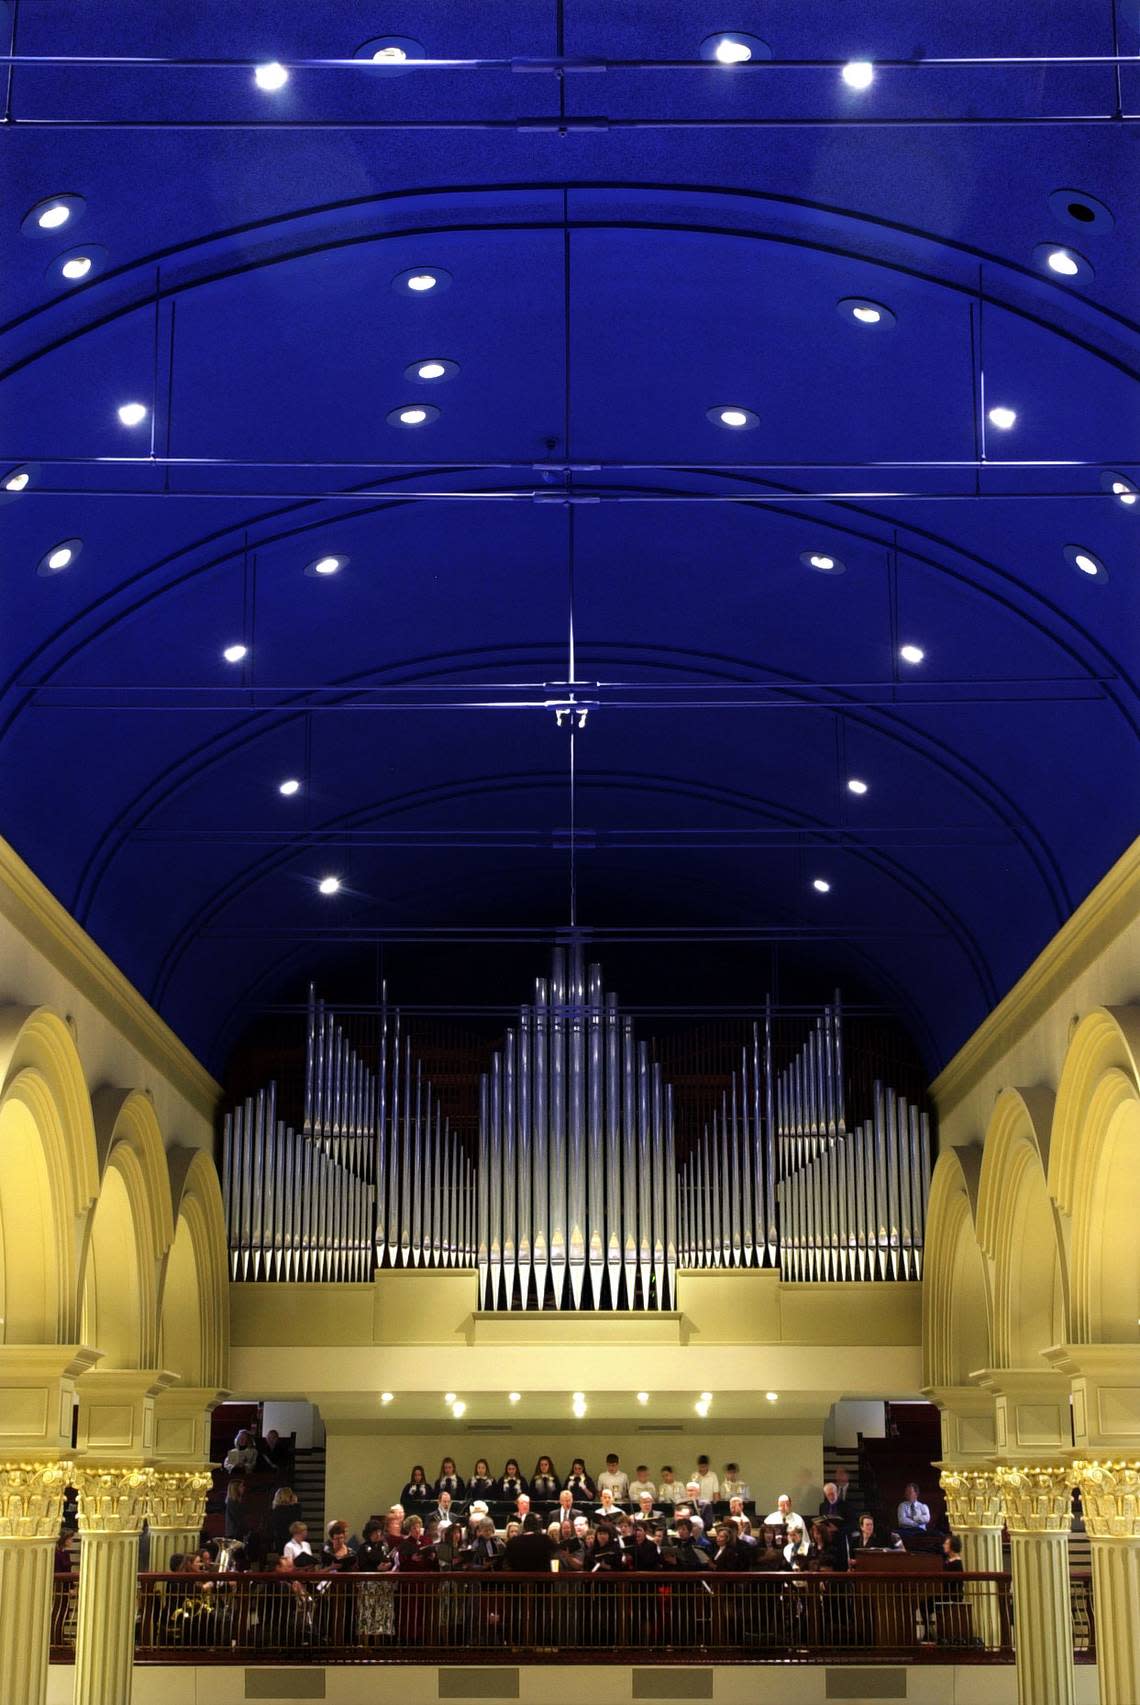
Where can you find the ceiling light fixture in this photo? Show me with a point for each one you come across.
(413, 414)
(77, 267)
(51, 214)
(772, 1396)
(643, 1397)
(60, 556)
(421, 281)
(1002, 417)
(325, 565)
(459, 1410)
(733, 417)
(1085, 562)
(1121, 487)
(1077, 207)
(911, 653)
(702, 1409)
(235, 653)
(431, 370)
(514, 1396)
(854, 785)
(53, 217)
(271, 77)
(17, 480)
(132, 414)
(823, 562)
(1060, 261)
(858, 74)
(289, 787)
(390, 56)
(734, 47)
(386, 1396)
(329, 884)
(865, 312)
(449, 1397)
(821, 885)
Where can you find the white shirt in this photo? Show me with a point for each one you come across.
(241, 1456)
(616, 1482)
(914, 1515)
(709, 1485)
(670, 1493)
(733, 1489)
(791, 1549)
(637, 1487)
(298, 1548)
(777, 1520)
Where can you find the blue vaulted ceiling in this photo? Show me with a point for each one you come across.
(622, 241)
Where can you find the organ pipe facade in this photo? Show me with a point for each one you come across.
(574, 1197)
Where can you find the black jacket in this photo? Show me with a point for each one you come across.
(528, 1553)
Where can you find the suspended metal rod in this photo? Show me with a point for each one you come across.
(564, 126)
(559, 64)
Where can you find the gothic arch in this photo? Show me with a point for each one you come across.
(1020, 1232)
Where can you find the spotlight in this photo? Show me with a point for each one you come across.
(77, 267)
(289, 788)
(858, 74)
(271, 77)
(329, 884)
(733, 417)
(514, 1396)
(235, 653)
(60, 556)
(824, 562)
(413, 415)
(1003, 418)
(643, 1397)
(911, 653)
(772, 1396)
(821, 885)
(386, 1396)
(449, 1397)
(51, 218)
(326, 565)
(459, 1410)
(1060, 260)
(132, 414)
(854, 785)
(17, 480)
(1083, 560)
(730, 52)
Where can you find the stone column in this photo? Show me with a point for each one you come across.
(112, 1504)
(1110, 1496)
(31, 1498)
(176, 1505)
(1036, 1502)
(973, 1504)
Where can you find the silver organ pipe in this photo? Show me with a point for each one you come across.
(539, 1138)
(507, 1138)
(595, 1157)
(525, 1178)
(613, 1149)
(629, 1160)
(576, 1086)
(557, 1148)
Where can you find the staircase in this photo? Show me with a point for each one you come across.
(309, 1485)
(846, 1456)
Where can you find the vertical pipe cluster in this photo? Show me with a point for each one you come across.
(726, 1189)
(376, 1176)
(852, 1202)
(577, 1169)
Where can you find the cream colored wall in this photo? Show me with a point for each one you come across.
(47, 960)
(365, 1471)
(1094, 960)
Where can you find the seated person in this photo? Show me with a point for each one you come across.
(579, 1484)
(701, 1535)
(708, 1484)
(510, 1483)
(448, 1479)
(417, 1490)
(869, 1538)
(783, 1514)
(645, 1510)
(614, 1479)
(242, 1458)
(641, 1483)
(736, 1507)
(668, 1491)
(544, 1482)
(732, 1486)
(480, 1484)
(569, 1537)
(475, 1516)
(913, 1514)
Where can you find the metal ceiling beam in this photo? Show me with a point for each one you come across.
(586, 839)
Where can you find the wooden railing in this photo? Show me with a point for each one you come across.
(565, 1617)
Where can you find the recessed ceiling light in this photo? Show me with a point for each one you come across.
(77, 267)
(289, 787)
(326, 565)
(706, 1396)
(1002, 417)
(854, 785)
(772, 1396)
(823, 562)
(390, 55)
(858, 74)
(386, 1396)
(51, 215)
(733, 417)
(514, 1396)
(459, 1409)
(911, 653)
(1061, 261)
(329, 884)
(821, 885)
(643, 1397)
(60, 556)
(431, 370)
(734, 47)
(449, 1397)
(1078, 208)
(1084, 561)
(578, 1396)
(1121, 487)
(413, 415)
(702, 1409)
(862, 311)
(235, 653)
(17, 480)
(271, 76)
(421, 281)
(132, 414)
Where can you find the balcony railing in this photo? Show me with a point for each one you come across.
(669, 1616)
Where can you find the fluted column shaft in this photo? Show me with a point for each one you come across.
(1037, 1503)
(1110, 1497)
(31, 1497)
(112, 1504)
(973, 1504)
(168, 1542)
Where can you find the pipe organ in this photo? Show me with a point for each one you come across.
(576, 1199)
(577, 1169)
(375, 1176)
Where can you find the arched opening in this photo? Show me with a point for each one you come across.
(1018, 1229)
(1106, 1245)
(29, 1231)
(112, 1280)
(955, 1299)
(180, 1325)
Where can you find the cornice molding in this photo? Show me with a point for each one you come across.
(1108, 910)
(40, 918)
